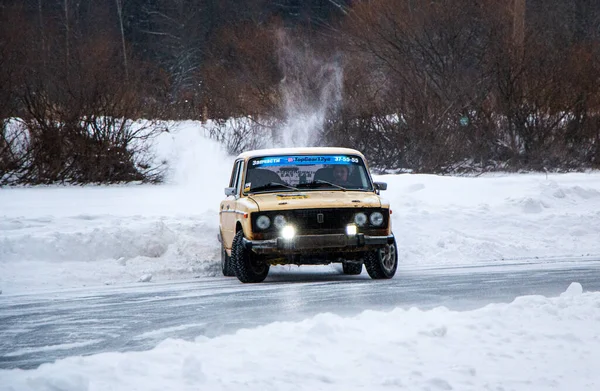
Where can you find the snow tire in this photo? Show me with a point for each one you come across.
(248, 266)
(226, 266)
(382, 263)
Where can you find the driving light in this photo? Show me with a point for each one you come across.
(360, 219)
(288, 232)
(279, 221)
(376, 218)
(263, 222)
(351, 229)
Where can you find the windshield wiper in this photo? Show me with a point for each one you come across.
(271, 185)
(322, 182)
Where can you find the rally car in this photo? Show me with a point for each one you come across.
(305, 206)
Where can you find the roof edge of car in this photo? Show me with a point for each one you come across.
(298, 151)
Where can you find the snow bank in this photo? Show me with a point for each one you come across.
(466, 220)
(533, 343)
(91, 235)
(73, 236)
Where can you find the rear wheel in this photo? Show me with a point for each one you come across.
(248, 266)
(226, 266)
(382, 263)
(351, 268)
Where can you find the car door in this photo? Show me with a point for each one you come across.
(228, 210)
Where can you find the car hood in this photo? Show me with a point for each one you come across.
(316, 199)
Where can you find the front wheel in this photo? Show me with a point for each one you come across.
(248, 266)
(226, 266)
(382, 263)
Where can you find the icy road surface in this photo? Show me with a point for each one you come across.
(44, 327)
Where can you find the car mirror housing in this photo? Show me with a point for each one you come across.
(230, 191)
(381, 186)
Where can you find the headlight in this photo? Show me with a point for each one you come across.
(288, 232)
(279, 221)
(376, 219)
(360, 219)
(263, 222)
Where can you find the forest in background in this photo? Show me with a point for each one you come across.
(445, 86)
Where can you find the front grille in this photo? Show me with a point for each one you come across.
(320, 220)
(308, 219)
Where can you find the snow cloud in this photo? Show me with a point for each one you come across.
(311, 88)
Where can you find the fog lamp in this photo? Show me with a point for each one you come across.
(351, 229)
(288, 232)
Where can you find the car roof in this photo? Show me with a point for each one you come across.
(299, 151)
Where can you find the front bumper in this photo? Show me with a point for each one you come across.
(318, 243)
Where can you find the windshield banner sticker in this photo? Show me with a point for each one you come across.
(304, 160)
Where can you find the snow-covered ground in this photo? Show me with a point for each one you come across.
(59, 237)
(495, 218)
(532, 343)
(67, 237)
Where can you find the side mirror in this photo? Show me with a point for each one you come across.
(230, 191)
(381, 186)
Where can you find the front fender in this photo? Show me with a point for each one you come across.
(245, 207)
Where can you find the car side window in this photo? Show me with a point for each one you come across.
(234, 174)
(238, 177)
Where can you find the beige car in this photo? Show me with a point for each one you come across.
(305, 206)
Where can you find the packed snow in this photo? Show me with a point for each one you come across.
(532, 343)
(62, 237)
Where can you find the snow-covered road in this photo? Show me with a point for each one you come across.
(47, 326)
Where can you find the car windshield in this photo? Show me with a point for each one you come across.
(306, 172)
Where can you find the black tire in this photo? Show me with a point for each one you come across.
(351, 268)
(226, 266)
(248, 266)
(382, 263)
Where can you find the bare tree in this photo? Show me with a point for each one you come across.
(119, 4)
(241, 75)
